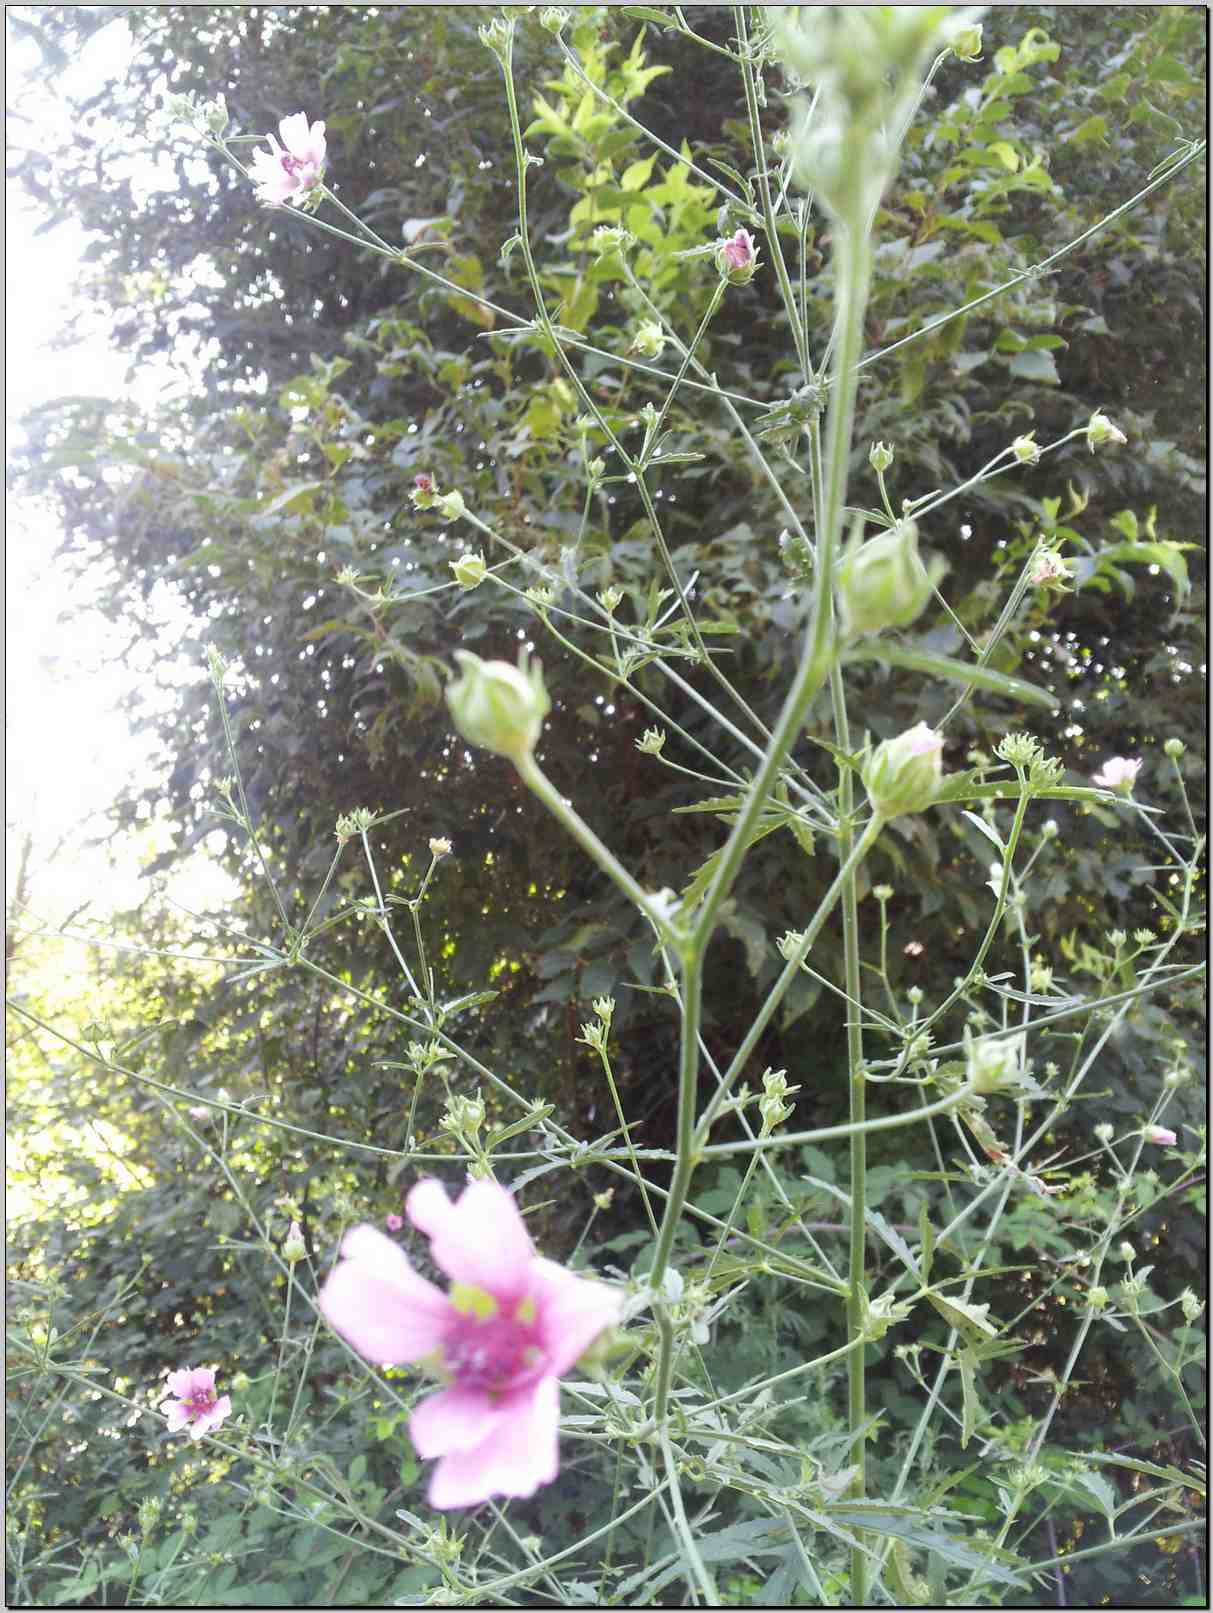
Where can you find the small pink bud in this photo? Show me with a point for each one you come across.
(737, 258)
(1162, 1135)
(393, 1222)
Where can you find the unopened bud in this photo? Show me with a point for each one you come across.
(652, 743)
(649, 340)
(880, 456)
(737, 258)
(883, 582)
(1100, 430)
(966, 43)
(469, 569)
(1174, 748)
(440, 846)
(904, 774)
(1026, 449)
(450, 505)
(498, 706)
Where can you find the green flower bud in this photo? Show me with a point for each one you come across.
(1101, 430)
(1174, 748)
(996, 1063)
(904, 774)
(469, 570)
(883, 583)
(1097, 1298)
(608, 238)
(966, 44)
(1190, 1305)
(1026, 449)
(294, 1248)
(880, 456)
(555, 19)
(649, 340)
(652, 743)
(451, 505)
(498, 706)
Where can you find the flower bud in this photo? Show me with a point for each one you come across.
(737, 258)
(1049, 570)
(498, 706)
(440, 846)
(1101, 430)
(469, 570)
(1161, 1136)
(555, 19)
(424, 494)
(1126, 1252)
(649, 340)
(904, 774)
(966, 44)
(880, 456)
(1191, 1306)
(1105, 1131)
(652, 743)
(1174, 748)
(996, 1063)
(608, 238)
(451, 505)
(610, 599)
(1026, 449)
(883, 583)
(1097, 1298)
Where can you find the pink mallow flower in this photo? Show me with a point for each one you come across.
(511, 1324)
(1162, 1135)
(393, 1222)
(737, 258)
(1118, 773)
(195, 1405)
(290, 172)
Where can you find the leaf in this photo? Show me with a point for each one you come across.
(990, 833)
(967, 1362)
(1174, 1475)
(287, 497)
(895, 1241)
(650, 14)
(910, 1525)
(1035, 365)
(942, 666)
(1006, 154)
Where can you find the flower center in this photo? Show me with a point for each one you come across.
(488, 1346)
(200, 1402)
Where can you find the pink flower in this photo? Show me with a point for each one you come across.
(393, 1222)
(738, 251)
(195, 1405)
(198, 1111)
(290, 174)
(423, 482)
(510, 1325)
(1118, 773)
(1162, 1135)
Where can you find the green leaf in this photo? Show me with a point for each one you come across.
(1006, 154)
(1034, 365)
(911, 1526)
(942, 666)
(967, 1362)
(288, 496)
(650, 14)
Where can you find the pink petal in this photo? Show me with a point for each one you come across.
(480, 1239)
(452, 1420)
(176, 1414)
(202, 1381)
(180, 1383)
(375, 1299)
(518, 1456)
(572, 1312)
